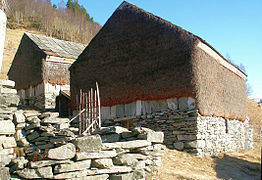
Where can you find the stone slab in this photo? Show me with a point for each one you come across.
(94, 155)
(7, 83)
(68, 175)
(88, 143)
(44, 172)
(43, 163)
(102, 163)
(19, 117)
(113, 170)
(76, 166)
(7, 127)
(64, 152)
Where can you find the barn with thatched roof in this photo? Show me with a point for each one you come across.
(161, 76)
(40, 68)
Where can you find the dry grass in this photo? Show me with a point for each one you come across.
(239, 165)
(254, 110)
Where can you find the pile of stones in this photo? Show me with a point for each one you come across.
(9, 101)
(41, 132)
(137, 154)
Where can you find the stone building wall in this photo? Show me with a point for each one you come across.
(189, 131)
(42, 96)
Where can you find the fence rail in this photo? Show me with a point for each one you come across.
(89, 110)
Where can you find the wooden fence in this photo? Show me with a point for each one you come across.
(89, 111)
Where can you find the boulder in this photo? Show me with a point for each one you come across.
(102, 163)
(95, 155)
(76, 166)
(88, 143)
(7, 127)
(63, 152)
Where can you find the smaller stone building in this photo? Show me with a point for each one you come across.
(40, 69)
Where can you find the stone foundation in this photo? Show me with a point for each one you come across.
(42, 96)
(189, 131)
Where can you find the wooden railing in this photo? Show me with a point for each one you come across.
(89, 111)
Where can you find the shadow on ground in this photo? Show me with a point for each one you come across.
(231, 168)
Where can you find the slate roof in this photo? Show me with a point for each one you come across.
(56, 47)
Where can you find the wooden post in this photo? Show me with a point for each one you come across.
(91, 109)
(80, 119)
(86, 108)
(99, 110)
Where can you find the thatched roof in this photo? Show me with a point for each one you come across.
(56, 47)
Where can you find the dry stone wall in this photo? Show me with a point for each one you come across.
(37, 145)
(9, 101)
(201, 135)
(60, 154)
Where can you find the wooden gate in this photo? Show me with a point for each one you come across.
(89, 111)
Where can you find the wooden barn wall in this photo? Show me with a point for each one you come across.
(56, 73)
(219, 91)
(136, 57)
(26, 68)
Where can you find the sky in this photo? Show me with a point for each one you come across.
(232, 27)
